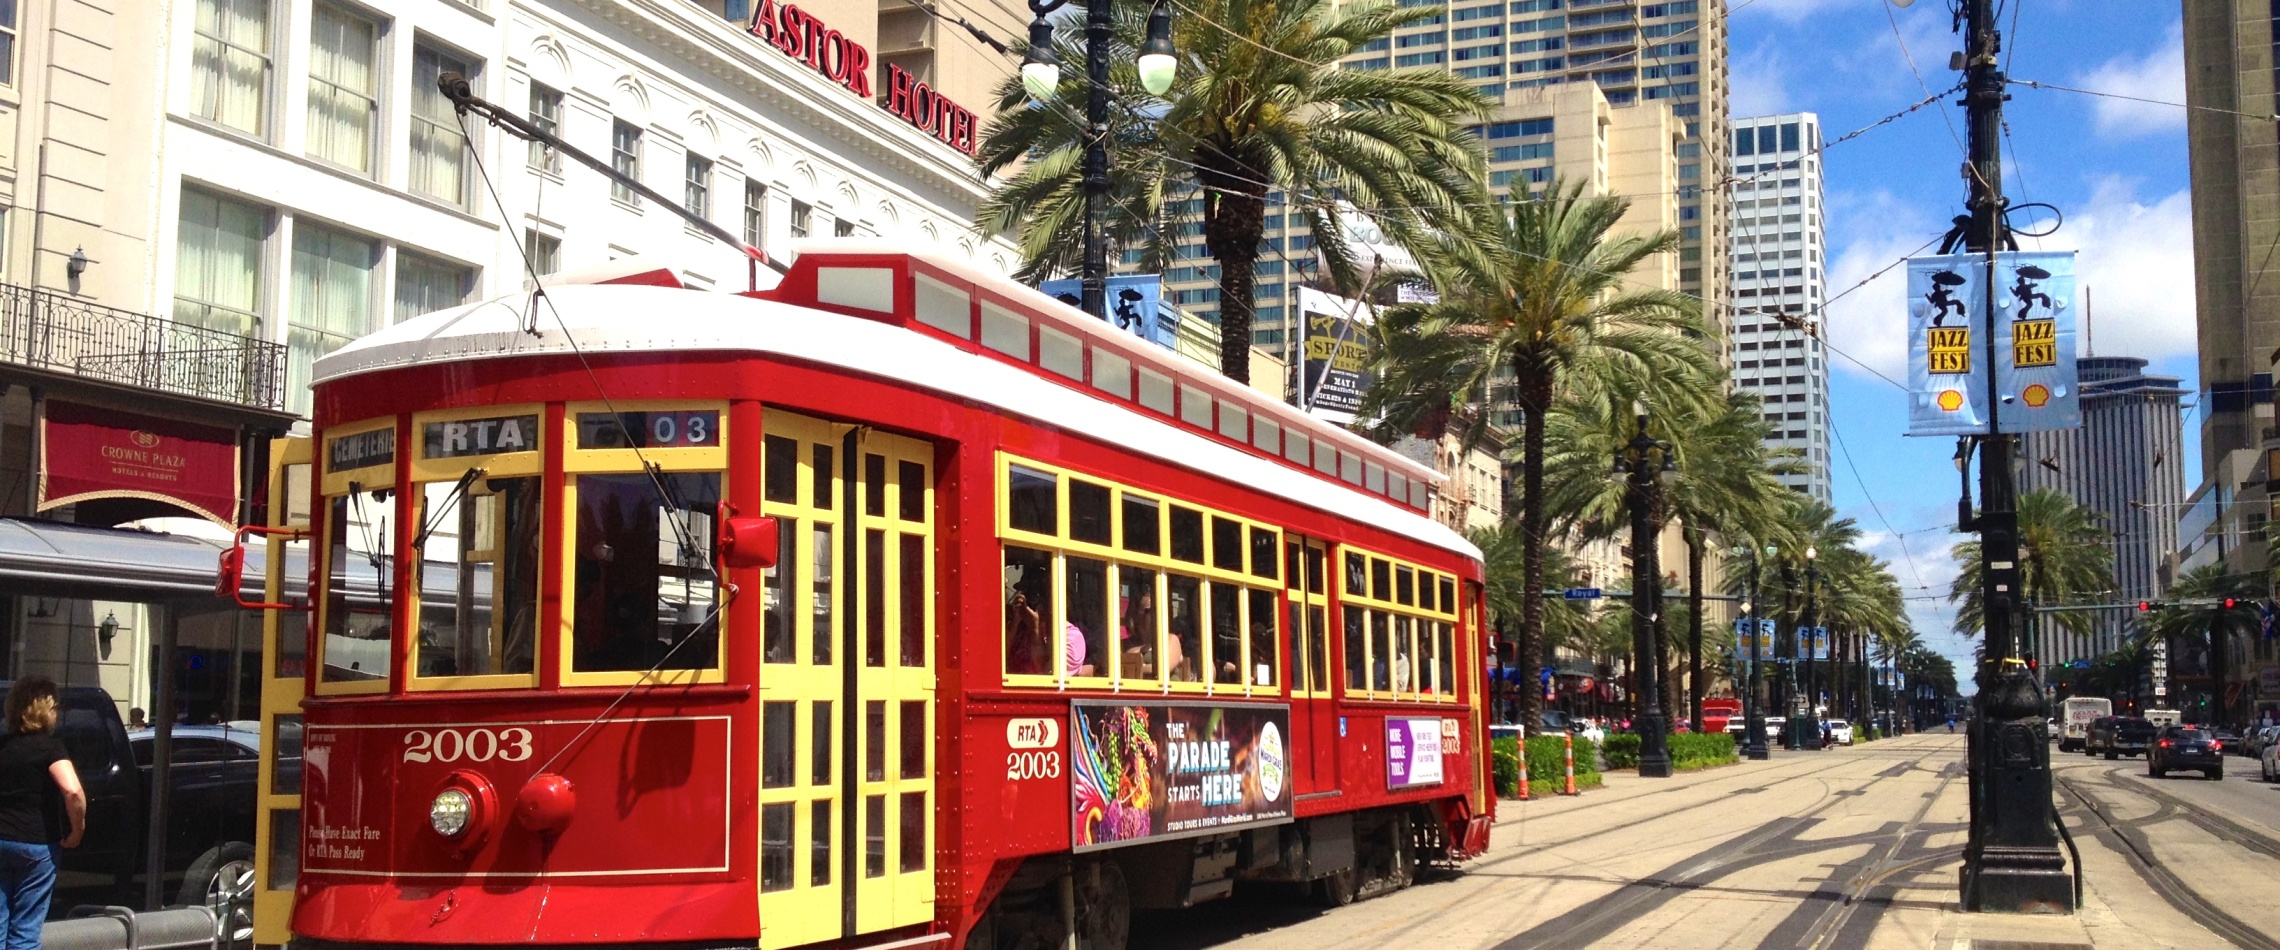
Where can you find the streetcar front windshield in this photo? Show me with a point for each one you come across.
(358, 603)
(646, 597)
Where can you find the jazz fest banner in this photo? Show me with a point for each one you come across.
(2035, 387)
(1152, 771)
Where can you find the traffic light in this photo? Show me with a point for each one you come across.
(2144, 605)
(2230, 603)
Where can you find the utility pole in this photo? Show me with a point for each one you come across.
(2011, 860)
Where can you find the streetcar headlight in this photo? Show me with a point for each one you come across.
(449, 812)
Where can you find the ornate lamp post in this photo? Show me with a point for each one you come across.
(1808, 724)
(1041, 76)
(1753, 719)
(1646, 479)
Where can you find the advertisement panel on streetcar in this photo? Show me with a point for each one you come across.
(1412, 751)
(1145, 771)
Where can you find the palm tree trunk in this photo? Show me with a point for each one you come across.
(1535, 391)
(1694, 624)
(1235, 208)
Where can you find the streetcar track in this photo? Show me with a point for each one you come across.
(1833, 921)
(2138, 850)
(2243, 835)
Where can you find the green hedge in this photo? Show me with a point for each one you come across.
(1702, 750)
(1547, 765)
(1622, 750)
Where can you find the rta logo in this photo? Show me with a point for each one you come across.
(144, 438)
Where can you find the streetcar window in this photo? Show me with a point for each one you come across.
(944, 308)
(1226, 544)
(1381, 579)
(1448, 595)
(1155, 390)
(1005, 331)
(1428, 658)
(781, 463)
(913, 832)
(826, 556)
(875, 836)
(1262, 638)
(911, 504)
(1404, 586)
(1111, 374)
(874, 485)
(776, 846)
(284, 743)
(819, 842)
(1032, 502)
(1420, 495)
(645, 596)
(913, 739)
(1397, 487)
(1357, 647)
(1028, 609)
(1447, 658)
(1404, 679)
(777, 621)
(874, 597)
(1266, 434)
(1195, 406)
(1381, 652)
(284, 848)
(777, 754)
(1187, 534)
(1298, 448)
(293, 633)
(1084, 638)
(1326, 460)
(820, 748)
(1136, 631)
(1294, 620)
(1357, 576)
(1061, 353)
(1234, 423)
(1088, 512)
(1425, 589)
(1263, 553)
(913, 600)
(1317, 651)
(358, 598)
(1350, 468)
(1183, 607)
(821, 493)
(478, 575)
(1143, 530)
(875, 740)
(1373, 478)
(1314, 566)
(1226, 633)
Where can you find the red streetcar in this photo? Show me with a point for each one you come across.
(898, 606)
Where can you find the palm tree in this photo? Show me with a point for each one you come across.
(1262, 105)
(2063, 551)
(1537, 297)
(2212, 624)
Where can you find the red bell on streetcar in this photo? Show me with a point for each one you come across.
(545, 802)
(743, 542)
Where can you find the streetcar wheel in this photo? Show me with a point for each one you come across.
(1336, 890)
(1104, 907)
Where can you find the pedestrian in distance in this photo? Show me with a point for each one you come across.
(42, 810)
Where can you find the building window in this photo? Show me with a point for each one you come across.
(697, 186)
(546, 114)
(344, 105)
(439, 148)
(802, 215)
(545, 252)
(217, 264)
(230, 63)
(625, 159)
(425, 285)
(842, 228)
(332, 301)
(755, 212)
(8, 44)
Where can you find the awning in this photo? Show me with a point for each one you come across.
(54, 559)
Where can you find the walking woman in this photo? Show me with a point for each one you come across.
(41, 808)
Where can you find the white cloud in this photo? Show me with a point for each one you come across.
(1758, 86)
(1787, 11)
(2136, 258)
(2159, 74)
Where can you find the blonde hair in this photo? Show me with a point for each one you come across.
(32, 705)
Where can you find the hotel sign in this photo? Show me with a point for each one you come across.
(802, 36)
(90, 452)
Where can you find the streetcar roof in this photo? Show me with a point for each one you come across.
(617, 318)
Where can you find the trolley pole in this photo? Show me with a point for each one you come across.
(2011, 861)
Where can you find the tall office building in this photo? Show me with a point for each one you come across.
(1651, 64)
(2125, 464)
(2232, 62)
(1779, 251)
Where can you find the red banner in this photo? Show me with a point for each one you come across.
(90, 452)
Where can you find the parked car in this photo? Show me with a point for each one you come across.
(2186, 747)
(1840, 731)
(2129, 736)
(1590, 729)
(2262, 738)
(1774, 726)
(2097, 734)
(2229, 737)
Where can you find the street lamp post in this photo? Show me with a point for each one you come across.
(1644, 481)
(1808, 724)
(1041, 76)
(1753, 719)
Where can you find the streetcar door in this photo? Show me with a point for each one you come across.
(847, 683)
(284, 667)
(1307, 597)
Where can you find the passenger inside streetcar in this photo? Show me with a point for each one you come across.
(1136, 630)
(1185, 644)
(1028, 598)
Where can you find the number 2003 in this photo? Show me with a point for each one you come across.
(473, 745)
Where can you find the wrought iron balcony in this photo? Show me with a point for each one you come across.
(49, 330)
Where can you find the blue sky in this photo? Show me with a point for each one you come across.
(2116, 168)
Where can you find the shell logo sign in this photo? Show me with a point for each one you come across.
(2036, 396)
(1950, 400)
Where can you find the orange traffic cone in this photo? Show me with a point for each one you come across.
(1569, 741)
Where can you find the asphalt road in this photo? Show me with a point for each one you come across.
(1850, 848)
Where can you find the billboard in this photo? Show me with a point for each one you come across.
(2033, 348)
(1337, 356)
(1412, 751)
(1135, 305)
(1151, 771)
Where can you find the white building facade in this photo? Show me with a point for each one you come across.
(1780, 256)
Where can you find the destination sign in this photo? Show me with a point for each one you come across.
(462, 437)
(362, 450)
(649, 430)
(1949, 349)
(2034, 343)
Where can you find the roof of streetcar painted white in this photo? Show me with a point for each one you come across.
(619, 318)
